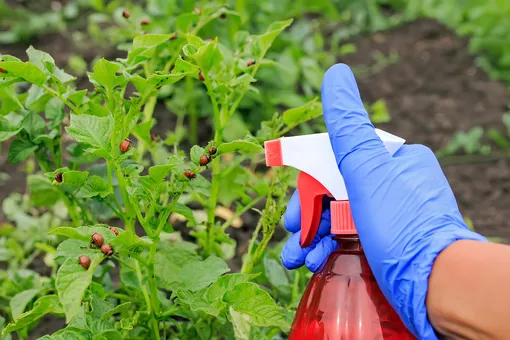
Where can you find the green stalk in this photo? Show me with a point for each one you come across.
(153, 286)
(239, 213)
(216, 170)
(268, 223)
(71, 209)
(258, 252)
(155, 325)
(247, 262)
(193, 115)
(148, 111)
(130, 225)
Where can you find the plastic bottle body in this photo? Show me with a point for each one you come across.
(344, 302)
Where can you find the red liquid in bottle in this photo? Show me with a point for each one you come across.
(344, 302)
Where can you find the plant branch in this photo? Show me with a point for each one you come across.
(247, 261)
(59, 96)
(71, 209)
(125, 197)
(240, 212)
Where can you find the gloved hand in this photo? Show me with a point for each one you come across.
(402, 206)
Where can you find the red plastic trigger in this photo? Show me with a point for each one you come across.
(311, 193)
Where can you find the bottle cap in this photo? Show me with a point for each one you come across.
(341, 218)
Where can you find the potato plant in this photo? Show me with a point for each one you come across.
(105, 194)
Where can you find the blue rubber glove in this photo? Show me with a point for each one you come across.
(402, 206)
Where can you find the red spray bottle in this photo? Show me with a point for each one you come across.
(342, 300)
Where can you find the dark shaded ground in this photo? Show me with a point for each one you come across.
(433, 91)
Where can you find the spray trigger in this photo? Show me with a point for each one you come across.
(311, 194)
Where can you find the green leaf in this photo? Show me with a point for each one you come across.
(37, 98)
(183, 66)
(498, 138)
(34, 125)
(74, 178)
(99, 307)
(20, 301)
(159, 80)
(70, 232)
(128, 240)
(54, 111)
(92, 130)
(266, 40)
(42, 192)
(40, 59)
(76, 96)
(47, 64)
(2, 326)
(243, 80)
(150, 40)
(159, 172)
(20, 150)
(44, 305)
(117, 309)
(105, 74)
(95, 186)
(67, 334)
(200, 274)
(506, 121)
(195, 154)
(241, 323)
(170, 259)
(74, 248)
(208, 57)
(184, 21)
(210, 300)
(71, 282)
(225, 284)
(197, 302)
(25, 70)
(85, 233)
(8, 130)
(275, 272)
(296, 116)
(247, 145)
(379, 112)
(312, 73)
(185, 211)
(249, 299)
(10, 101)
(129, 324)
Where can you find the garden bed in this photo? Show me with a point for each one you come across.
(433, 90)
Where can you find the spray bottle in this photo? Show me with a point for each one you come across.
(342, 300)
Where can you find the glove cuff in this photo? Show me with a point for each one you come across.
(414, 311)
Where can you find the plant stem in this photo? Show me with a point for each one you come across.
(259, 251)
(130, 225)
(59, 96)
(155, 326)
(71, 209)
(153, 286)
(124, 263)
(121, 297)
(193, 115)
(241, 212)
(234, 106)
(247, 262)
(216, 170)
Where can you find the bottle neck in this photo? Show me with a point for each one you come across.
(348, 243)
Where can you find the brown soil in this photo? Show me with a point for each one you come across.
(433, 91)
